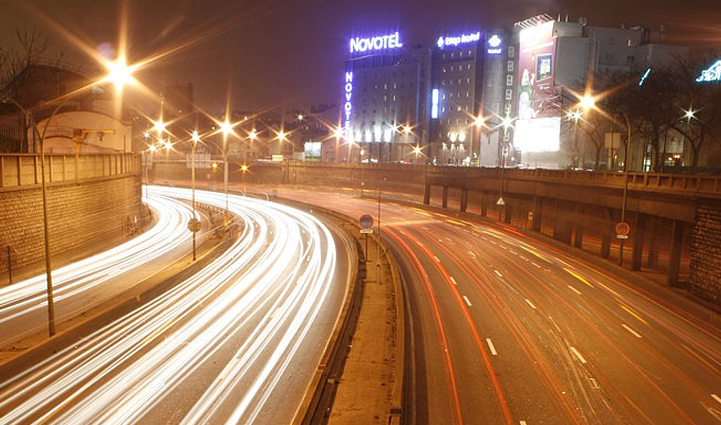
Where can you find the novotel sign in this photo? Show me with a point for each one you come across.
(457, 40)
(379, 42)
(347, 105)
(712, 74)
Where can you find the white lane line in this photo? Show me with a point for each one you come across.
(535, 264)
(523, 258)
(574, 290)
(467, 300)
(522, 423)
(631, 330)
(498, 273)
(440, 240)
(436, 258)
(472, 254)
(715, 397)
(530, 303)
(512, 252)
(491, 347)
(578, 355)
(454, 281)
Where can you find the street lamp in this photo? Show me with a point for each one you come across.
(226, 128)
(506, 123)
(195, 139)
(244, 169)
(119, 74)
(625, 186)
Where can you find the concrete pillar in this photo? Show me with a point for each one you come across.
(484, 204)
(674, 265)
(578, 227)
(537, 210)
(638, 234)
(426, 194)
(561, 227)
(464, 200)
(606, 233)
(507, 212)
(652, 226)
(445, 196)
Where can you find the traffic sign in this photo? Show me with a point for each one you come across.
(622, 229)
(500, 202)
(194, 225)
(366, 221)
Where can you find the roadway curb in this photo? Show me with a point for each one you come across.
(108, 312)
(318, 399)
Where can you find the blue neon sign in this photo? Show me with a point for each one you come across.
(434, 104)
(380, 42)
(494, 45)
(348, 105)
(457, 40)
(711, 74)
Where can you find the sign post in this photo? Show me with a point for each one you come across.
(366, 222)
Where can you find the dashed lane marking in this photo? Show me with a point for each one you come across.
(498, 273)
(491, 347)
(467, 300)
(530, 303)
(454, 281)
(574, 290)
(634, 333)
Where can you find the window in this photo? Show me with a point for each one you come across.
(445, 69)
(385, 98)
(459, 109)
(507, 108)
(459, 81)
(394, 98)
(468, 94)
(468, 81)
(451, 95)
(509, 68)
(453, 68)
(509, 94)
(385, 86)
(509, 80)
(395, 86)
(511, 51)
(469, 53)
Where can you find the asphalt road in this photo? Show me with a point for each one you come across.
(238, 342)
(509, 330)
(98, 278)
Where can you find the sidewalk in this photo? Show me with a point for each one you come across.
(369, 391)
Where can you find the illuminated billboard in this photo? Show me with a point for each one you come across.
(539, 105)
(712, 74)
(379, 42)
(538, 135)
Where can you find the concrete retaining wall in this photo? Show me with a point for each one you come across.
(706, 253)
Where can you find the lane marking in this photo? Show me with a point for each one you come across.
(523, 257)
(436, 258)
(579, 277)
(717, 398)
(530, 303)
(491, 347)
(594, 384)
(633, 313)
(631, 330)
(454, 281)
(498, 273)
(522, 423)
(578, 355)
(467, 300)
(574, 290)
(457, 223)
(472, 254)
(535, 264)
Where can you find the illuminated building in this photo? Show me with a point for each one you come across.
(383, 93)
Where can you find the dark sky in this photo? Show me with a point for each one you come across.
(266, 52)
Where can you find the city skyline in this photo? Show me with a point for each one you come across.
(310, 38)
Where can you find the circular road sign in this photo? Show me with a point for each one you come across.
(366, 221)
(622, 228)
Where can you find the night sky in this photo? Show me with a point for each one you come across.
(269, 52)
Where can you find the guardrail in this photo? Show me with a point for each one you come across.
(23, 170)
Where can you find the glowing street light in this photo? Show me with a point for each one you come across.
(119, 73)
(281, 135)
(689, 114)
(195, 138)
(253, 134)
(226, 128)
(159, 126)
(300, 117)
(406, 130)
(588, 102)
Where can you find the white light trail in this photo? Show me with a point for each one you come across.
(261, 301)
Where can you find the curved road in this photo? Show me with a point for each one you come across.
(508, 330)
(236, 343)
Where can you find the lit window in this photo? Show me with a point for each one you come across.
(509, 68)
(445, 69)
(511, 51)
(509, 94)
(509, 80)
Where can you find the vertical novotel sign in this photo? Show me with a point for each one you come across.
(347, 104)
(380, 42)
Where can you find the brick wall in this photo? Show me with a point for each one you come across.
(706, 253)
(79, 214)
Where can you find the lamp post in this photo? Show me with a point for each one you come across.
(244, 169)
(506, 124)
(119, 74)
(479, 122)
(194, 144)
(625, 185)
(226, 128)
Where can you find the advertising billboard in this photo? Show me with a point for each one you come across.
(539, 108)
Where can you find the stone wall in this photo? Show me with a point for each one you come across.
(706, 253)
(79, 215)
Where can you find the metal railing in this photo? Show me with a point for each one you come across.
(23, 170)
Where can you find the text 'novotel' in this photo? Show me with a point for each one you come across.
(380, 42)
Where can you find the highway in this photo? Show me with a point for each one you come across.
(508, 330)
(88, 282)
(238, 342)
